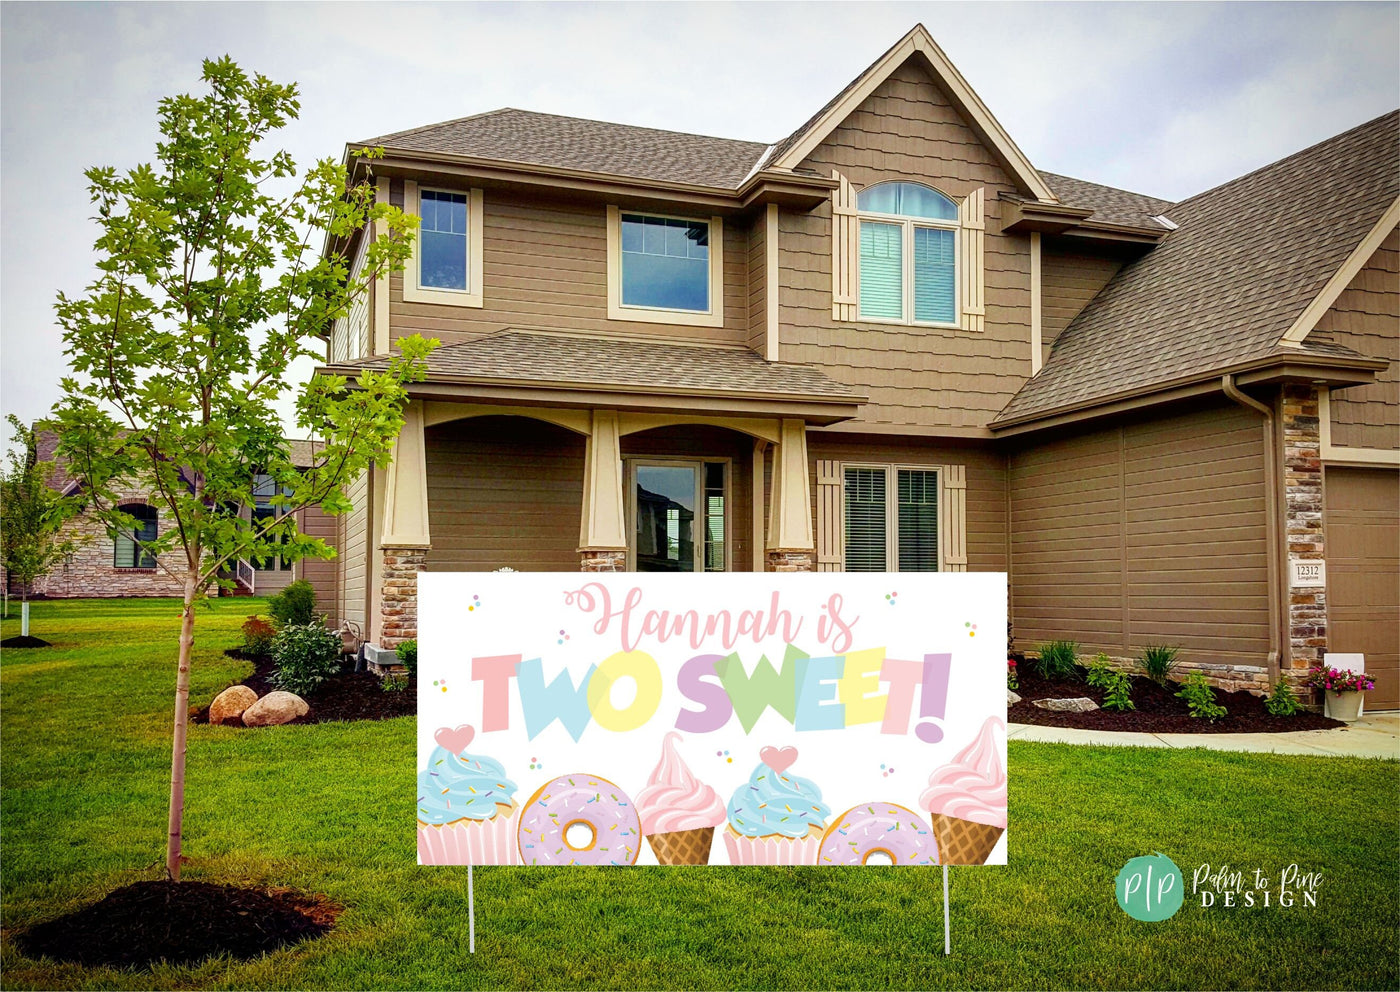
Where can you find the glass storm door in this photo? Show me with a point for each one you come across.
(678, 513)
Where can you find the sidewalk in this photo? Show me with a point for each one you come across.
(1373, 736)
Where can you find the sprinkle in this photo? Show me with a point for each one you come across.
(439, 761)
(445, 791)
(560, 849)
(471, 789)
(613, 827)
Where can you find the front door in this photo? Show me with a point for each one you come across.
(679, 518)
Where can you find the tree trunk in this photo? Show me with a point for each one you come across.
(182, 721)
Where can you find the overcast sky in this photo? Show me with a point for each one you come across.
(1163, 98)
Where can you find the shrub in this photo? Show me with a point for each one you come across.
(1282, 702)
(394, 683)
(408, 654)
(257, 636)
(294, 605)
(1012, 682)
(1200, 698)
(305, 655)
(1118, 695)
(1158, 661)
(1057, 660)
(1100, 672)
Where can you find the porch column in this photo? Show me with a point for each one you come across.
(790, 547)
(404, 540)
(603, 530)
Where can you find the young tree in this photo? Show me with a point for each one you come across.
(210, 285)
(30, 519)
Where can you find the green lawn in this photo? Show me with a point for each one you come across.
(85, 766)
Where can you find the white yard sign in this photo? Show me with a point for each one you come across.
(818, 719)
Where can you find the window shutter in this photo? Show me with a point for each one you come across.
(955, 518)
(972, 222)
(830, 546)
(844, 249)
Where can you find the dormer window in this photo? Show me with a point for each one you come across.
(908, 254)
(665, 269)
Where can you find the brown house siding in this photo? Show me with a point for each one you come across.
(545, 266)
(504, 492)
(986, 483)
(1070, 276)
(758, 285)
(1366, 318)
(922, 377)
(320, 572)
(353, 562)
(1145, 533)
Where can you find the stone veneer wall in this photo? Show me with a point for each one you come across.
(89, 572)
(1302, 470)
(398, 609)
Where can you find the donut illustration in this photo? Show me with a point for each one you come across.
(880, 831)
(579, 819)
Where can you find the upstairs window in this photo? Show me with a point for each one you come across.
(442, 263)
(908, 254)
(446, 267)
(664, 269)
(127, 551)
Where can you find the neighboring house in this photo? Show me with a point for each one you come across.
(889, 342)
(114, 565)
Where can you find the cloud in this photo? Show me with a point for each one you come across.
(1168, 99)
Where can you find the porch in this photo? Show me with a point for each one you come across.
(602, 456)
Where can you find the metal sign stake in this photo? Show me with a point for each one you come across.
(471, 908)
(947, 929)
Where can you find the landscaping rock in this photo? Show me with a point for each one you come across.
(275, 708)
(1080, 704)
(1011, 698)
(228, 706)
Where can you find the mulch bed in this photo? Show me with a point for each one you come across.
(1158, 709)
(21, 641)
(179, 922)
(350, 695)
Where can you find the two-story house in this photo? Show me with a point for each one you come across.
(888, 342)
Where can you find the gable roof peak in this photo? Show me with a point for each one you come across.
(918, 44)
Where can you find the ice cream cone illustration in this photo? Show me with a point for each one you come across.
(966, 800)
(679, 812)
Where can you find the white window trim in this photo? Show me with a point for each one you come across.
(909, 223)
(469, 297)
(892, 470)
(714, 317)
(630, 464)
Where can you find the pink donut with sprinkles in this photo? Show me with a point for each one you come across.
(609, 830)
(872, 829)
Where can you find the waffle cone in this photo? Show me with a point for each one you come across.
(963, 842)
(683, 847)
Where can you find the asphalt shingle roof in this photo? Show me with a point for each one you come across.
(1245, 261)
(552, 141)
(1110, 205)
(643, 366)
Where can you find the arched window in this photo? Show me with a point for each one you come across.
(126, 551)
(908, 254)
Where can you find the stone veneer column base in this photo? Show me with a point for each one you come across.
(1302, 471)
(602, 561)
(398, 610)
(791, 561)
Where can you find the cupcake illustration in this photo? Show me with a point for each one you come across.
(776, 818)
(466, 806)
(966, 800)
(679, 812)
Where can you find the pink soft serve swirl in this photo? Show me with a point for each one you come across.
(674, 799)
(973, 785)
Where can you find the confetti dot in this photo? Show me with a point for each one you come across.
(729, 761)
(470, 608)
(719, 754)
(882, 764)
(967, 623)
(475, 596)
(972, 633)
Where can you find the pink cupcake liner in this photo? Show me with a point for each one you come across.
(471, 842)
(773, 849)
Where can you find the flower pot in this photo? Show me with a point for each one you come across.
(1345, 705)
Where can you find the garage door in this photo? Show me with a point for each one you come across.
(1363, 573)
